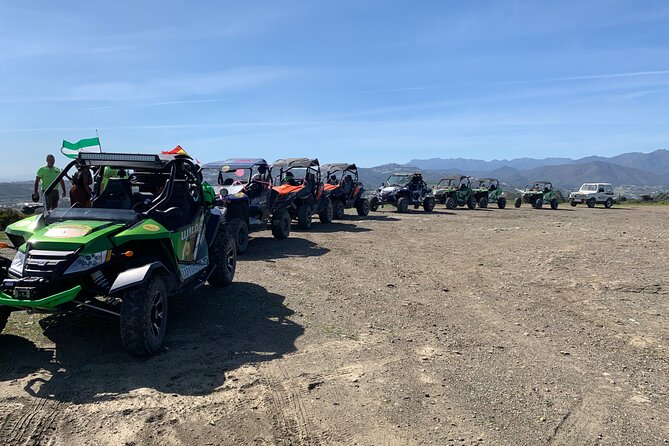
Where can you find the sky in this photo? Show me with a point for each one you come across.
(361, 81)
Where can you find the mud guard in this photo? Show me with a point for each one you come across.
(135, 276)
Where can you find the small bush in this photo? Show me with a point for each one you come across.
(9, 216)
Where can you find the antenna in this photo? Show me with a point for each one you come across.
(99, 143)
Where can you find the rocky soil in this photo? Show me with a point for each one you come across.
(498, 327)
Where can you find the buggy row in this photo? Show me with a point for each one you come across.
(157, 226)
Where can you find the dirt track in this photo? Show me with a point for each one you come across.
(518, 327)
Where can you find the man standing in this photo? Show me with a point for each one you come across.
(47, 174)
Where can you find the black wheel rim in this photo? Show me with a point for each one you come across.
(157, 313)
(230, 259)
(241, 237)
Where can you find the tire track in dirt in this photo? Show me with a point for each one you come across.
(31, 424)
(579, 422)
(286, 406)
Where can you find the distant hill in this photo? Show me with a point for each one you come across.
(654, 162)
(573, 175)
(508, 175)
(23, 188)
(473, 165)
(13, 193)
(629, 169)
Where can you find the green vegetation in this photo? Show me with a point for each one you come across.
(9, 216)
(660, 198)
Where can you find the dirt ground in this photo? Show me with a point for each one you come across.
(509, 327)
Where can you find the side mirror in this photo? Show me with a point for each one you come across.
(29, 209)
(223, 192)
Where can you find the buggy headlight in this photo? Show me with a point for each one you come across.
(18, 263)
(87, 261)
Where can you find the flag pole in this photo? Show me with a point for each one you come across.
(99, 143)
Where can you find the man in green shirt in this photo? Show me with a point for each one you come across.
(47, 174)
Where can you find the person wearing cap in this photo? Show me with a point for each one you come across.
(47, 175)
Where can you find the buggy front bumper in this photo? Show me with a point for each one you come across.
(387, 199)
(45, 303)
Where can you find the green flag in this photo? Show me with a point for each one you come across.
(72, 149)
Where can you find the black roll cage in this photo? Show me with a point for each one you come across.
(354, 171)
(164, 195)
(308, 168)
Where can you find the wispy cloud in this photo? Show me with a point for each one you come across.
(589, 77)
(187, 85)
(403, 89)
(178, 86)
(194, 101)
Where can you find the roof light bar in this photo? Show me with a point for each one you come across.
(119, 157)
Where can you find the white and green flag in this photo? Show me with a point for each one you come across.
(72, 149)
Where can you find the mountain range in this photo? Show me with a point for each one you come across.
(635, 169)
(632, 173)
(656, 162)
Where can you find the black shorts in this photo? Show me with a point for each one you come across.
(52, 200)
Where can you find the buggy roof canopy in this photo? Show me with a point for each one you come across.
(129, 160)
(335, 167)
(235, 163)
(487, 179)
(540, 182)
(455, 177)
(291, 163)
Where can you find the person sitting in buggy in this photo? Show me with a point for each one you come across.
(289, 178)
(414, 187)
(348, 184)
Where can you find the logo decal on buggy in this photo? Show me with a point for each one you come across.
(151, 228)
(68, 231)
(225, 168)
(191, 238)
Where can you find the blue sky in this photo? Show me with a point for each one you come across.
(362, 81)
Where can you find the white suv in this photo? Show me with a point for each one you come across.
(592, 194)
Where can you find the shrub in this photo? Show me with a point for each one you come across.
(9, 216)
